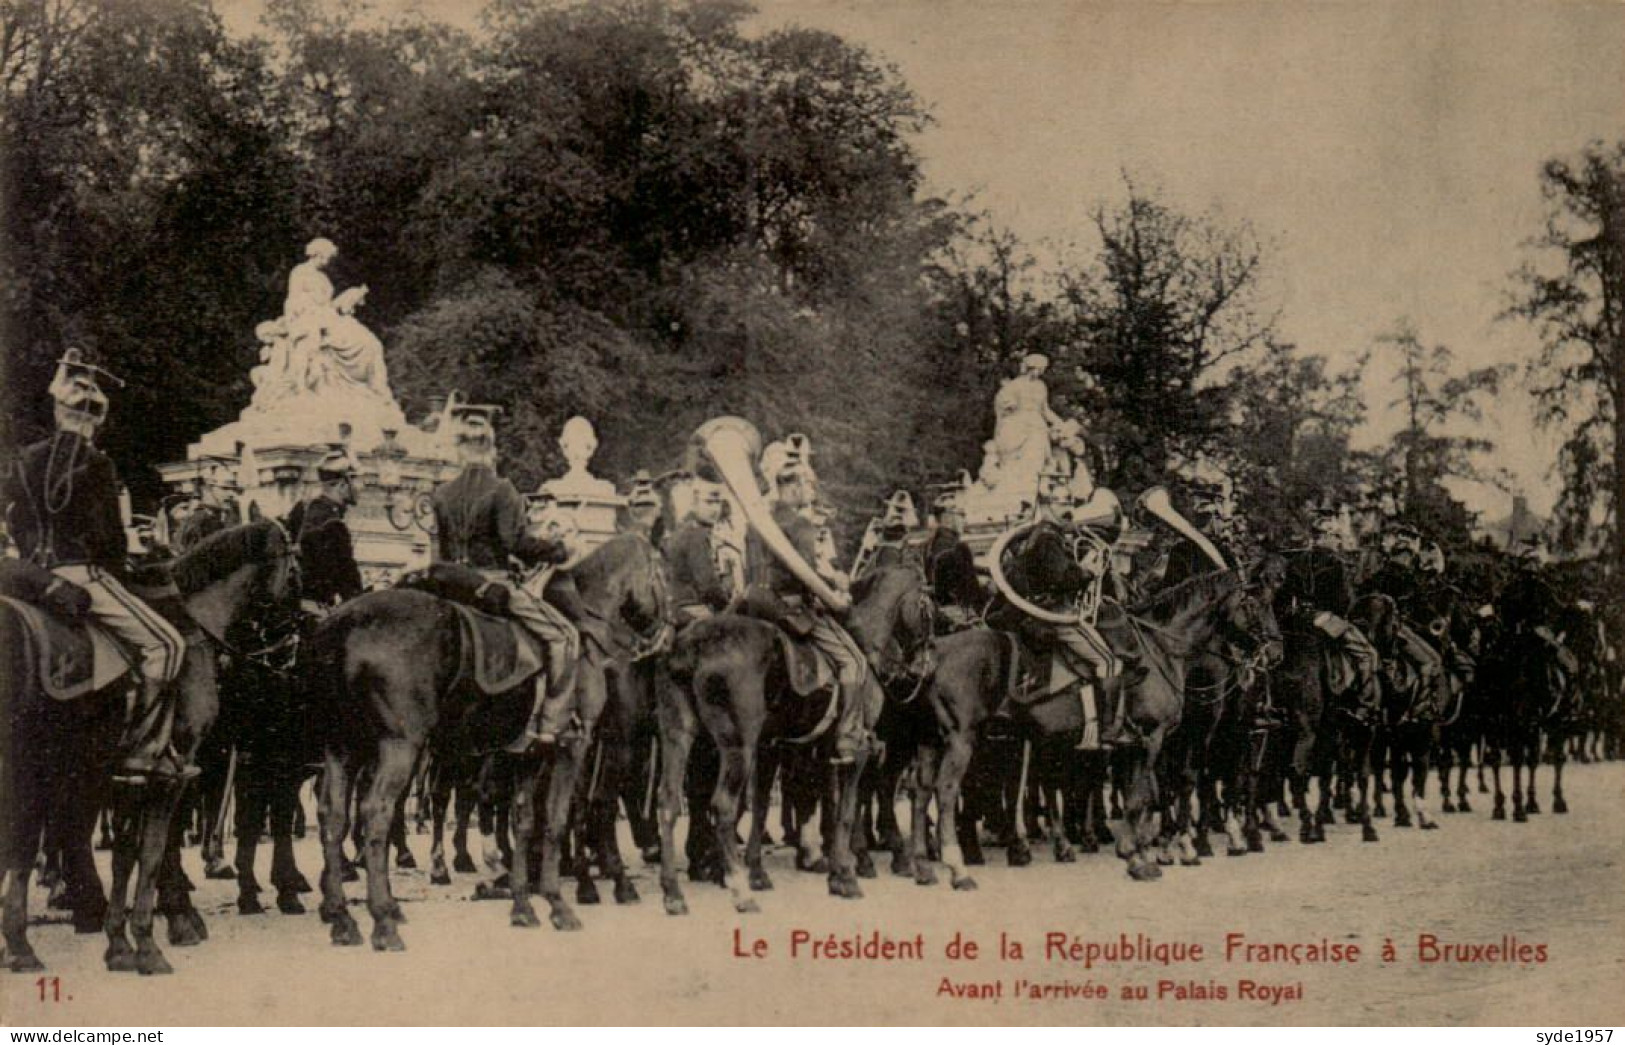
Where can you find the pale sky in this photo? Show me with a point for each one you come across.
(1388, 151)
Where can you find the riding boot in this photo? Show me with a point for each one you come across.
(555, 703)
(854, 731)
(148, 751)
(1114, 694)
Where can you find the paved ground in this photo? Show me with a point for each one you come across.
(1554, 883)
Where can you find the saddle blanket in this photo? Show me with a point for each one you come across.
(70, 660)
(808, 670)
(498, 653)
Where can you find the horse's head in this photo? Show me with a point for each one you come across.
(1377, 616)
(255, 561)
(624, 581)
(892, 616)
(1247, 621)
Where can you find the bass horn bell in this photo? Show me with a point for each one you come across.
(1156, 501)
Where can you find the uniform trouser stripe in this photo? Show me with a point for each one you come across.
(161, 658)
(1090, 645)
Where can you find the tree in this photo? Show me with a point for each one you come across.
(1573, 293)
(1166, 302)
(1433, 398)
(1288, 442)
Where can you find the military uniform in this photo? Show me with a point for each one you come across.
(1320, 590)
(63, 512)
(328, 570)
(698, 585)
(950, 566)
(480, 521)
(784, 596)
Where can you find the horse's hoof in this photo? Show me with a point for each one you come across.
(1428, 825)
(1088, 845)
(395, 914)
(844, 887)
(289, 903)
(1165, 860)
(747, 906)
(1498, 814)
(1190, 861)
(865, 866)
(1462, 805)
(1402, 819)
(28, 961)
(1144, 871)
(818, 866)
(119, 957)
(346, 933)
(183, 932)
(586, 892)
(1351, 817)
(650, 854)
(965, 884)
(220, 872)
(1531, 808)
(524, 919)
(250, 904)
(565, 921)
(464, 864)
(153, 963)
(759, 880)
(1483, 788)
(1447, 806)
(902, 866)
(1235, 850)
(405, 861)
(1560, 807)
(973, 858)
(1019, 855)
(1255, 844)
(925, 874)
(626, 892)
(385, 938)
(1520, 817)
(1203, 846)
(675, 905)
(1320, 835)
(440, 877)
(490, 891)
(1368, 834)
(1278, 835)
(1065, 855)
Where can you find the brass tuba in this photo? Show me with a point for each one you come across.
(729, 446)
(1155, 501)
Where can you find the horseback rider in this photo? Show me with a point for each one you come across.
(643, 506)
(1320, 589)
(1185, 559)
(887, 539)
(1089, 655)
(776, 586)
(64, 515)
(480, 521)
(1400, 578)
(326, 551)
(699, 585)
(950, 566)
(1529, 604)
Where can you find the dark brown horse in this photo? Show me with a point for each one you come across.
(728, 674)
(1412, 705)
(386, 686)
(58, 755)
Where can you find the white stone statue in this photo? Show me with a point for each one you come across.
(309, 306)
(351, 357)
(578, 442)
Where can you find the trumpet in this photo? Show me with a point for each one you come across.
(1156, 501)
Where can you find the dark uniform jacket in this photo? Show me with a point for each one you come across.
(480, 522)
(951, 568)
(1398, 582)
(326, 553)
(772, 583)
(85, 529)
(695, 578)
(1317, 579)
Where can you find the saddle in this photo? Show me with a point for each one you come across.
(71, 658)
(498, 654)
(809, 672)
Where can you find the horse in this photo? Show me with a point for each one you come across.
(728, 673)
(1530, 699)
(386, 685)
(1412, 703)
(58, 755)
(1220, 741)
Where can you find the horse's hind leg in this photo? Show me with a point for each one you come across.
(1558, 804)
(951, 770)
(527, 773)
(843, 798)
(734, 772)
(761, 789)
(918, 853)
(333, 814)
(1421, 746)
(677, 727)
(378, 810)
